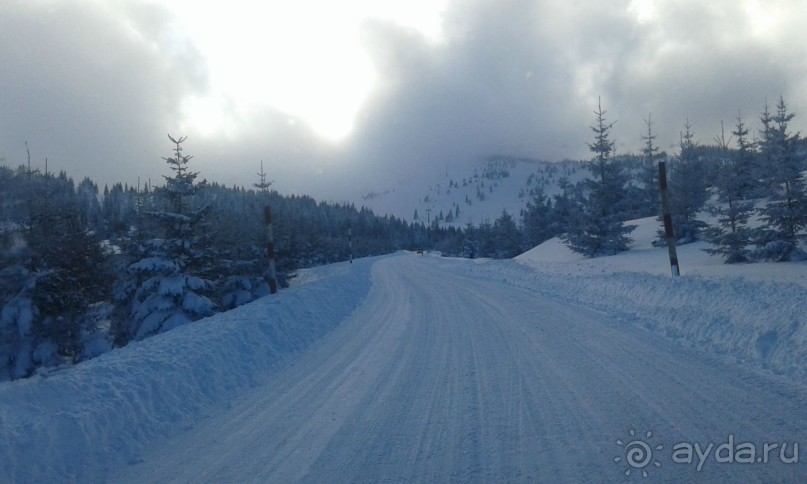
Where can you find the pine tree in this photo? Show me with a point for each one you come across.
(687, 190)
(262, 185)
(17, 318)
(18, 278)
(484, 239)
(746, 162)
(731, 237)
(785, 212)
(506, 237)
(17, 285)
(600, 228)
(470, 242)
(537, 219)
(241, 256)
(54, 279)
(165, 289)
(88, 204)
(649, 170)
(565, 210)
(768, 150)
(76, 277)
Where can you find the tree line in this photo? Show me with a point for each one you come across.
(84, 270)
(751, 187)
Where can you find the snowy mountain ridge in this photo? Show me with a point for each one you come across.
(456, 196)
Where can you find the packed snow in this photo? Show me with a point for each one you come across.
(426, 368)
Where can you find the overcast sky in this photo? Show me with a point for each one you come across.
(339, 97)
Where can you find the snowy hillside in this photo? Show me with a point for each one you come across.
(753, 313)
(553, 257)
(460, 195)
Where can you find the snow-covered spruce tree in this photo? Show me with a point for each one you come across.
(118, 209)
(565, 210)
(537, 219)
(128, 235)
(746, 161)
(17, 274)
(482, 239)
(648, 174)
(54, 277)
(600, 229)
(17, 310)
(731, 237)
(450, 242)
(242, 282)
(165, 289)
(74, 278)
(506, 237)
(470, 243)
(88, 204)
(785, 213)
(687, 191)
(17, 315)
(768, 154)
(240, 247)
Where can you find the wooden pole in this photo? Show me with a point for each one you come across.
(270, 241)
(668, 226)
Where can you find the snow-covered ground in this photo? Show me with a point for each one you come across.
(552, 257)
(752, 313)
(550, 368)
(76, 423)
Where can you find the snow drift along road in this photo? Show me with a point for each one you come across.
(443, 372)
(75, 423)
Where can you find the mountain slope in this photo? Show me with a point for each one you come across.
(472, 195)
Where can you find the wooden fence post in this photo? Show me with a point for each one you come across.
(668, 226)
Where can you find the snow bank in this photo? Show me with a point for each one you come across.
(74, 424)
(554, 258)
(749, 313)
(758, 323)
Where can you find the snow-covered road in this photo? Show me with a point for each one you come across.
(439, 376)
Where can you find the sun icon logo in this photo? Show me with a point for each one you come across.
(638, 453)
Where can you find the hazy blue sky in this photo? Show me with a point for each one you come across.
(341, 96)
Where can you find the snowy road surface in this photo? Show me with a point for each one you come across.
(439, 377)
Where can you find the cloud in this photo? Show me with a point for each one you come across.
(96, 85)
(492, 86)
(523, 77)
(88, 90)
